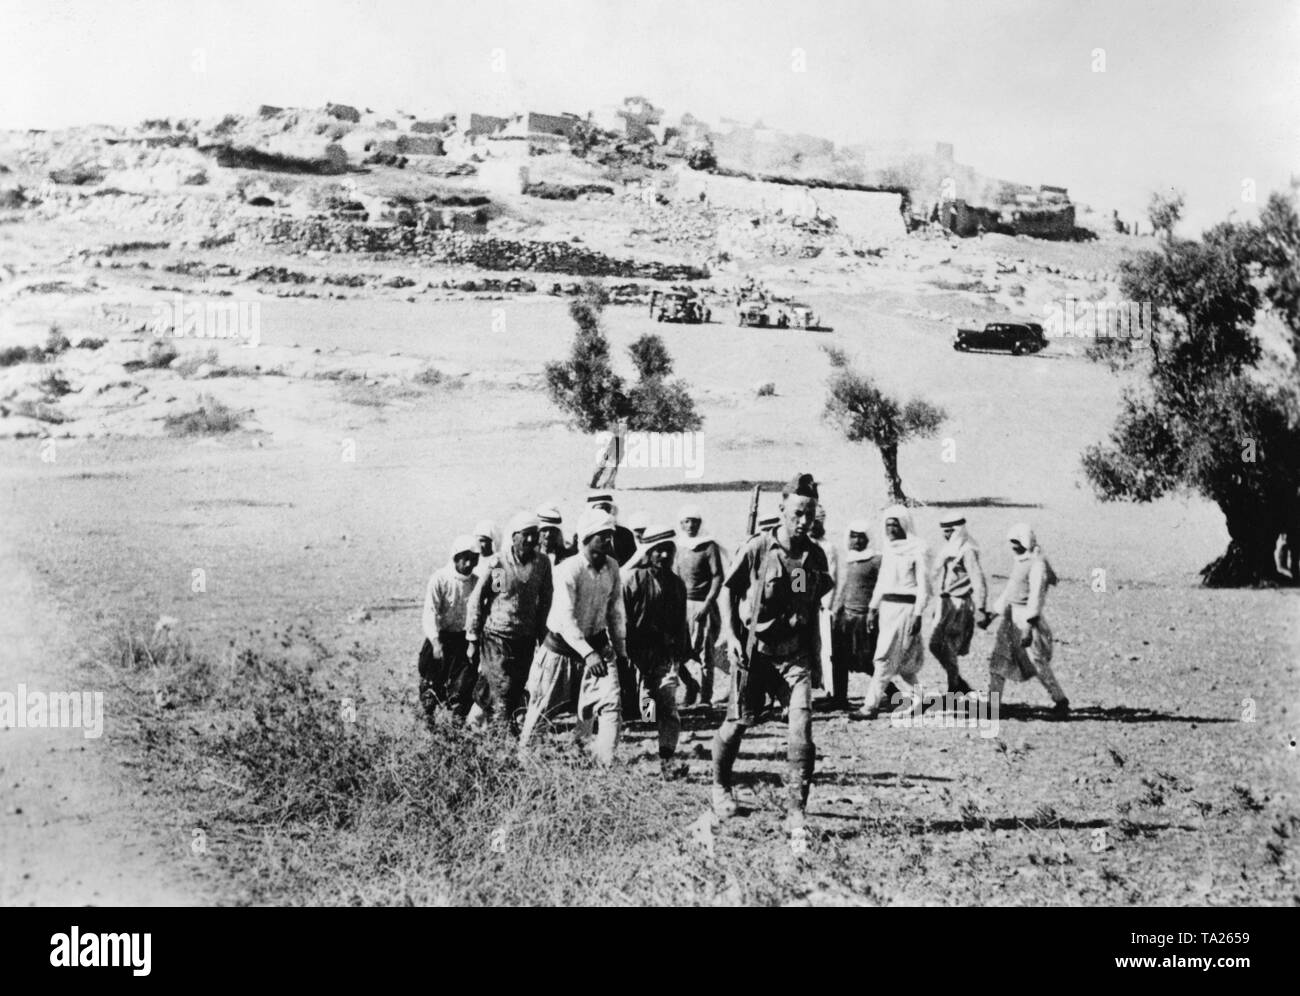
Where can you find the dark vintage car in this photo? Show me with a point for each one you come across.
(675, 306)
(1016, 338)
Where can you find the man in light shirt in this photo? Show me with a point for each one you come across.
(578, 664)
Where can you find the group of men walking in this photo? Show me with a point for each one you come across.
(617, 623)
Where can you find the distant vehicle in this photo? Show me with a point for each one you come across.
(677, 306)
(760, 315)
(802, 316)
(1016, 338)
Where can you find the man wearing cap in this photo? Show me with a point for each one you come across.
(577, 666)
(962, 590)
(506, 619)
(853, 643)
(446, 673)
(552, 539)
(654, 599)
(699, 565)
(624, 543)
(783, 575)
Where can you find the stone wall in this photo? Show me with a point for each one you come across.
(457, 248)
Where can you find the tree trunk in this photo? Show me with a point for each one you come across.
(889, 456)
(1248, 561)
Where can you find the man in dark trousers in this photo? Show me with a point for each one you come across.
(505, 621)
(783, 575)
(853, 644)
(654, 601)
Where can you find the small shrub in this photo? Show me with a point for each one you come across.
(211, 418)
(13, 355)
(189, 364)
(837, 357)
(766, 390)
(54, 385)
(160, 354)
(430, 377)
(91, 343)
(56, 342)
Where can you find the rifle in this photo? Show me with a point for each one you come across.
(751, 526)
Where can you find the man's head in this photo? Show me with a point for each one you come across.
(950, 525)
(464, 554)
(897, 522)
(549, 523)
(818, 529)
(485, 533)
(524, 536)
(596, 534)
(690, 518)
(799, 505)
(1022, 538)
(601, 501)
(658, 548)
(858, 535)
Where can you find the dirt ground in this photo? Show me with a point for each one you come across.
(1174, 781)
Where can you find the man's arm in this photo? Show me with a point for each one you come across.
(432, 597)
(715, 568)
(680, 636)
(975, 571)
(480, 601)
(734, 589)
(616, 615)
(545, 594)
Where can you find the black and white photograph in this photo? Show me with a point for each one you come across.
(651, 453)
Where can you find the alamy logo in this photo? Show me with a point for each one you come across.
(1072, 318)
(208, 320)
(633, 448)
(77, 950)
(53, 710)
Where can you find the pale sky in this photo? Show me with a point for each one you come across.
(1194, 94)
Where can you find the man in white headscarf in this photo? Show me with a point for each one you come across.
(485, 533)
(897, 607)
(699, 565)
(577, 667)
(506, 619)
(853, 643)
(962, 591)
(1022, 648)
(623, 546)
(654, 601)
(447, 675)
(550, 530)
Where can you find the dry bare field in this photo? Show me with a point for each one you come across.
(1173, 781)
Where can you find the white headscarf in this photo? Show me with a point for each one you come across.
(910, 540)
(866, 553)
(958, 543)
(463, 544)
(1024, 535)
